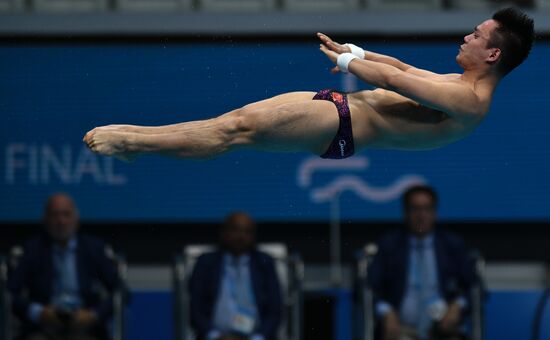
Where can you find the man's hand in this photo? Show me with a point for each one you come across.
(332, 56)
(392, 326)
(451, 320)
(333, 45)
(84, 319)
(49, 318)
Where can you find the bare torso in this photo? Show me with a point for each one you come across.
(387, 120)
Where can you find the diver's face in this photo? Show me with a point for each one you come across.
(475, 51)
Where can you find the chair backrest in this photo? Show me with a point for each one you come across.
(4, 300)
(365, 297)
(120, 294)
(15, 255)
(478, 297)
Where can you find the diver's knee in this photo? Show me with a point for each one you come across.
(245, 120)
(241, 125)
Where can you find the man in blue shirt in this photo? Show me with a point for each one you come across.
(421, 277)
(56, 286)
(235, 292)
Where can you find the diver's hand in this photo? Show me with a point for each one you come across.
(333, 45)
(332, 56)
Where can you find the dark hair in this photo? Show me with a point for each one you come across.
(421, 188)
(514, 37)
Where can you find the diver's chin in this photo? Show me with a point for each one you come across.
(459, 61)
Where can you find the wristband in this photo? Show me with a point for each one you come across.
(356, 50)
(343, 61)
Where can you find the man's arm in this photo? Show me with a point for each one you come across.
(450, 97)
(453, 98)
(381, 58)
(377, 57)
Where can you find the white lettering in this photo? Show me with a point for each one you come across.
(13, 162)
(110, 176)
(87, 164)
(342, 144)
(62, 167)
(33, 164)
(46, 164)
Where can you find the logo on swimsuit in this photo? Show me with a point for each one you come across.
(342, 144)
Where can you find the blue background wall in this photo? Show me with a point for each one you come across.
(51, 95)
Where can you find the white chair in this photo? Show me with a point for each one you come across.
(69, 5)
(5, 323)
(289, 271)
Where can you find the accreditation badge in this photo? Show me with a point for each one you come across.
(243, 321)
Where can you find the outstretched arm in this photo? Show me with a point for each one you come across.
(456, 99)
(373, 56)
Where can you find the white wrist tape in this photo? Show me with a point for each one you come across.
(356, 50)
(343, 61)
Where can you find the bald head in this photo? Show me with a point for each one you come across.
(61, 217)
(238, 233)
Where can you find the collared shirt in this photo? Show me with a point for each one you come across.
(65, 286)
(422, 291)
(236, 294)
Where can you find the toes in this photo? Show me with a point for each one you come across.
(88, 136)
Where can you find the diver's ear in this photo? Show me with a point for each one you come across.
(494, 56)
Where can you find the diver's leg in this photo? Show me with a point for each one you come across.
(274, 101)
(307, 125)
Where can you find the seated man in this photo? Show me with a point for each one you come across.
(421, 277)
(235, 292)
(54, 288)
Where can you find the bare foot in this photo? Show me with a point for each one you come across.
(108, 141)
(121, 127)
(147, 130)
